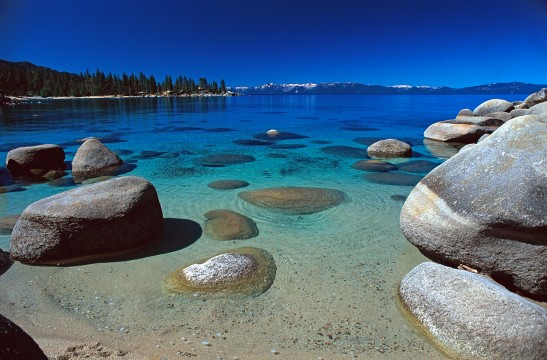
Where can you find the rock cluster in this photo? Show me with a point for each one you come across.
(240, 272)
(469, 210)
(469, 126)
(95, 220)
(484, 210)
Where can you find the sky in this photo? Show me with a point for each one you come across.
(454, 43)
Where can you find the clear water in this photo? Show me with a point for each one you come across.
(335, 292)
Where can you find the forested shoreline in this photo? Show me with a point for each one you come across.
(26, 79)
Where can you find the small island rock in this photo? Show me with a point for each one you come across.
(473, 317)
(95, 220)
(389, 148)
(93, 159)
(240, 272)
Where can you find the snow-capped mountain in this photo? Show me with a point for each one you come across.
(357, 88)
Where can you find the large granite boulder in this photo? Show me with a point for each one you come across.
(97, 220)
(493, 105)
(294, 200)
(93, 159)
(240, 272)
(473, 317)
(464, 129)
(535, 98)
(35, 160)
(229, 225)
(389, 148)
(486, 207)
(539, 109)
(16, 344)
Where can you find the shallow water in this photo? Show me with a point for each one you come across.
(335, 291)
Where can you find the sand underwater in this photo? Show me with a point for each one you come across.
(334, 295)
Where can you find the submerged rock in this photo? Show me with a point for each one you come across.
(493, 105)
(418, 166)
(16, 343)
(374, 166)
(229, 225)
(294, 200)
(486, 207)
(224, 159)
(240, 272)
(472, 317)
(95, 220)
(389, 148)
(392, 178)
(93, 159)
(227, 184)
(441, 149)
(35, 160)
(280, 136)
(345, 151)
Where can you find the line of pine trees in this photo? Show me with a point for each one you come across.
(26, 79)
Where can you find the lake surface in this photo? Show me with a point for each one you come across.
(335, 291)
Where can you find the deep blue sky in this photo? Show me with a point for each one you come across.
(251, 42)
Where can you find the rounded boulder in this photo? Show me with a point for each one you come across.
(93, 159)
(493, 105)
(240, 272)
(40, 157)
(389, 148)
(97, 220)
(472, 317)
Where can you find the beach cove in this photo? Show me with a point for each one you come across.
(338, 270)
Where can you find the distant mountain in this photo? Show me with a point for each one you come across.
(356, 88)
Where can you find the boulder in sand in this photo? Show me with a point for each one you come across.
(95, 220)
(472, 317)
(294, 200)
(93, 159)
(240, 272)
(229, 225)
(486, 207)
(389, 148)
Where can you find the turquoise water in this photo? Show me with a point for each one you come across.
(335, 292)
